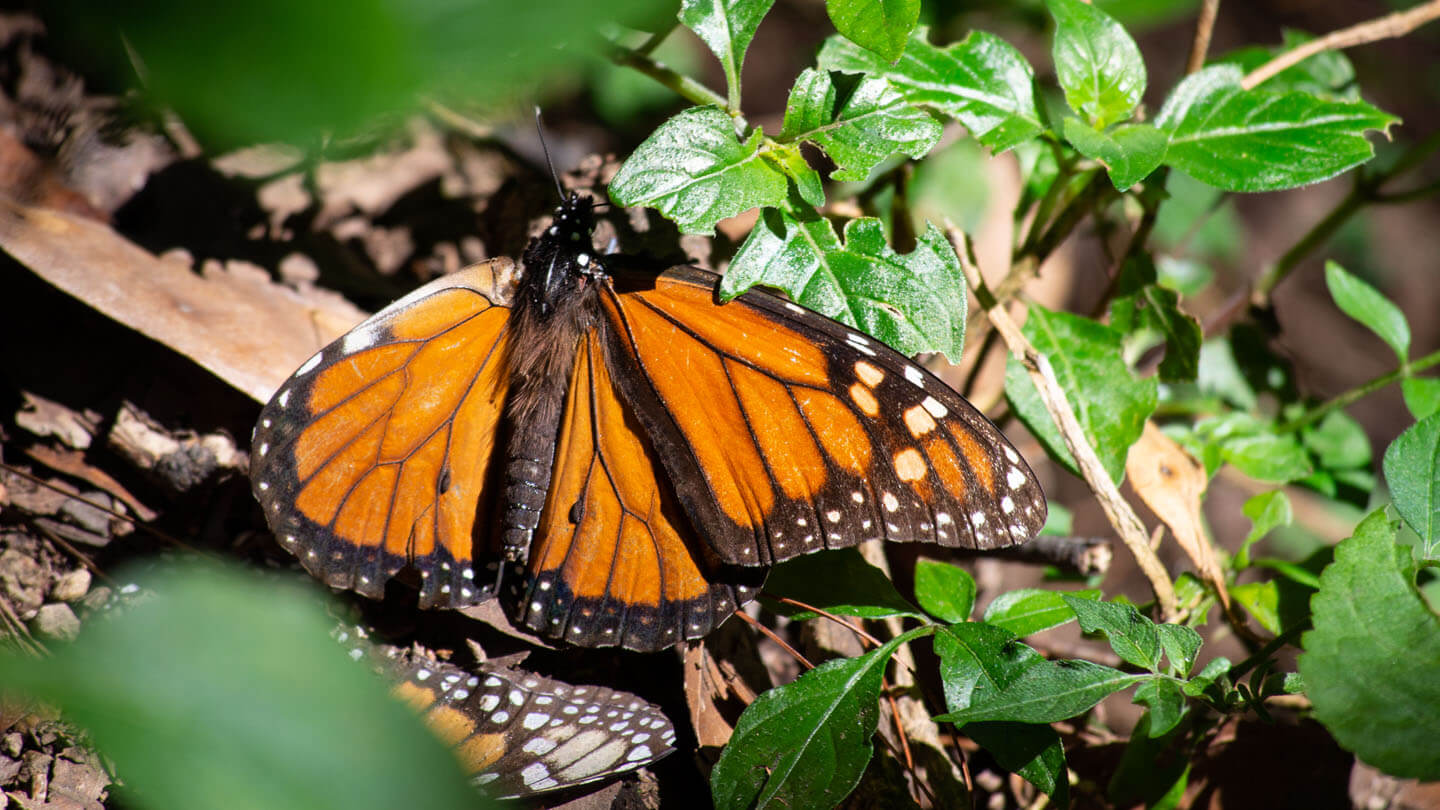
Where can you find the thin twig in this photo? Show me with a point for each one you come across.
(775, 637)
(144, 527)
(1360, 391)
(1121, 516)
(686, 87)
(1390, 26)
(1204, 27)
(831, 616)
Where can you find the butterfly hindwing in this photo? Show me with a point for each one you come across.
(374, 454)
(614, 559)
(518, 733)
(791, 432)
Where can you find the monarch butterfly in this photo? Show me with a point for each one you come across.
(517, 733)
(644, 452)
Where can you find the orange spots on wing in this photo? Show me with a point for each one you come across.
(947, 466)
(909, 465)
(322, 496)
(690, 379)
(416, 697)
(362, 518)
(340, 381)
(919, 421)
(864, 400)
(841, 435)
(868, 374)
(977, 456)
(481, 751)
(745, 331)
(449, 724)
(328, 434)
(439, 312)
(777, 426)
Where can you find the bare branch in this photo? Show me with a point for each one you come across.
(1204, 27)
(1388, 27)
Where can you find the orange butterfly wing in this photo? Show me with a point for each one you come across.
(614, 559)
(789, 432)
(374, 454)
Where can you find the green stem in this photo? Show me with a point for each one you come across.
(1408, 370)
(684, 86)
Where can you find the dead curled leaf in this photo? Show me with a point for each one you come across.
(1173, 484)
(235, 322)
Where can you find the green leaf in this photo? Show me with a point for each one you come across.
(1181, 644)
(1033, 751)
(946, 591)
(914, 302)
(805, 744)
(1098, 64)
(726, 27)
(1030, 610)
(1422, 395)
(1262, 601)
(882, 26)
(1047, 692)
(1412, 470)
(1338, 442)
(1371, 660)
(982, 82)
(1255, 140)
(1267, 512)
(872, 123)
(1253, 446)
(1184, 276)
(1132, 636)
(225, 691)
(1110, 403)
(812, 578)
(1220, 374)
(1366, 305)
(978, 662)
(1215, 672)
(788, 159)
(1327, 74)
(1151, 771)
(1140, 305)
(1165, 700)
(694, 172)
(1129, 152)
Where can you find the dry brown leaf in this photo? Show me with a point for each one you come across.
(72, 462)
(1173, 484)
(241, 326)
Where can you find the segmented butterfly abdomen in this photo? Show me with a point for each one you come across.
(520, 733)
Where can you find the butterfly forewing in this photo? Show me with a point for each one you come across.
(518, 733)
(374, 454)
(788, 432)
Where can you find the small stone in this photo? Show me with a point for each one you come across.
(12, 744)
(72, 586)
(97, 598)
(57, 621)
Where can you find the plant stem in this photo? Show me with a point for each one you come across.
(1408, 370)
(684, 86)
(1390, 26)
(1204, 26)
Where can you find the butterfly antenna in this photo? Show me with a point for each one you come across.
(540, 128)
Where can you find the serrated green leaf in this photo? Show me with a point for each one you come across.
(1267, 511)
(694, 172)
(1110, 403)
(224, 691)
(979, 661)
(1030, 750)
(812, 578)
(1254, 447)
(1366, 305)
(1255, 140)
(869, 125)
(1370, 662)
(1412, 470)
(914, 302)
(1129, 152)
(1132, 636)
(1214, 673)
(1047, 692)
(1098, 64)
(1327, 74)
(1181, 644)
(982, 81)
(1030, 610)
(1220, 375)
(788, 159)
(1153, 308)
(726, 27)
(1165, 700)
(805, 744)
(946, 591)
(1422, 395)
(882, 26)
(1338, 442)
(1261, 600)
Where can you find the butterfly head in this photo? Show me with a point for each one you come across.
(562, 258)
